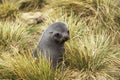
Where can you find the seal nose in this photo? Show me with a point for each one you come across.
(66, 37)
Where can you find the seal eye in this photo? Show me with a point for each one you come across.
(57, 35)
(51, 32)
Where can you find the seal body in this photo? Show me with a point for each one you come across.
(52, 42)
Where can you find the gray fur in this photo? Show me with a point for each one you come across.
(52, 42)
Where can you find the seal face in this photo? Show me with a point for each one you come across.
(52, 42)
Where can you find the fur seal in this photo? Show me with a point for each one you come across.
(52, 42)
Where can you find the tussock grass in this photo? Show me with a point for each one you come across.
(28, 5)
(26, 67)
(93, 11)
(8, 9)
(92, 53)
(13, 35)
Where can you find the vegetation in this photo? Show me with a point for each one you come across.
(92, 53)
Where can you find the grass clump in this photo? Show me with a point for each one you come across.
(28, 5)
(93, 11)
(26, 67)
(91, 55)
(90, 52)
(13, 34)
(8, 9)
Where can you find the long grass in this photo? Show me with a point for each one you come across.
(90, 50)
(93, 11)
(13, 35)
(92, 53)
(9, 9)
(28, 68)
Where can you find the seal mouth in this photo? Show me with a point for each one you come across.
(64, 39)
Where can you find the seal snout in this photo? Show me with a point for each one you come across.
(66, 37)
